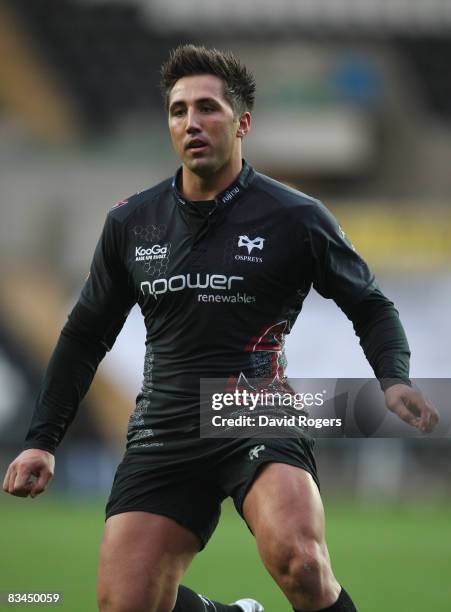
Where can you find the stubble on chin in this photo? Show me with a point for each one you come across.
(201, 167)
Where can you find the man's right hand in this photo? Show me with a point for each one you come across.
(29, 473)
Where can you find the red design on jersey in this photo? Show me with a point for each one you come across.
(120, 203)
(269, 339)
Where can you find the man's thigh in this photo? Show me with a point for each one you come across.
(243, 465)
(284, 499)
(159, 514)
(283, 508)
(142, 559)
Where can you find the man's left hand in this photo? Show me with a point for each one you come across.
(412, 407)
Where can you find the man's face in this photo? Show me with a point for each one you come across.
(204, 130)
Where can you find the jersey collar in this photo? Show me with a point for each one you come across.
(229, 195)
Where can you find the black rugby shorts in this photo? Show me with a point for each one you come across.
(189, 488)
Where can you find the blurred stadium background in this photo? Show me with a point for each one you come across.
(353, 107)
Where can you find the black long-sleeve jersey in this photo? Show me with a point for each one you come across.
(219, 284)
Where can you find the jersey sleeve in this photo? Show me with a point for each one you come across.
(382, 337)
(338, 271)
(82, 344)
(107, 289)
(90, 331)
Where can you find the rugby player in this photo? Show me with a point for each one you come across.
(220, 259)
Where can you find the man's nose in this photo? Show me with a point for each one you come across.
(192, 121)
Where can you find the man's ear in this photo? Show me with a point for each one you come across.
(244, 125)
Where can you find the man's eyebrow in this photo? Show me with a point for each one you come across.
(176, 103)
(198, 101)
(209, 100)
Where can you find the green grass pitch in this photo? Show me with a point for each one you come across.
(388, 558)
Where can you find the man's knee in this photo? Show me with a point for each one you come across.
(302, 566)
(309, 569)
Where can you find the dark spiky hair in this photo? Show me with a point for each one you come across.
(190, 60)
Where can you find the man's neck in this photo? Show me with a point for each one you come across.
(198, 188)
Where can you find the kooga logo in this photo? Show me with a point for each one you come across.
(188, 281)
(150, 253)
(155, 250)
